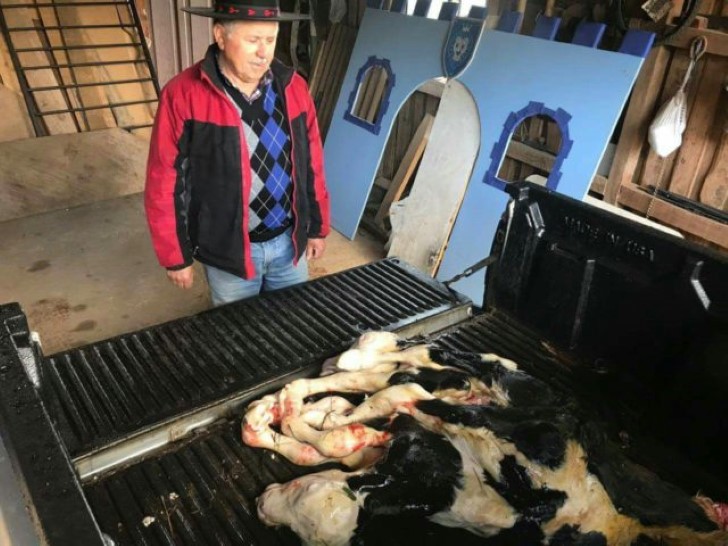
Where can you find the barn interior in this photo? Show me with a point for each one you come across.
(130, 386)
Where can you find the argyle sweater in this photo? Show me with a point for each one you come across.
(269, 150)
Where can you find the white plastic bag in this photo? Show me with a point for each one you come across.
(665, 135)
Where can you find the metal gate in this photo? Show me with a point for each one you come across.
(81, 65)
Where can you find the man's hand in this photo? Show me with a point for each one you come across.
(182, 278)
(315, 249)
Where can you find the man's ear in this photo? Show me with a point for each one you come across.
(218, 32)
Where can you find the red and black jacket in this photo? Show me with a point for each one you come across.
(199, 178)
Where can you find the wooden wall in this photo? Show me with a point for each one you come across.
(178, 39)
(698, 170)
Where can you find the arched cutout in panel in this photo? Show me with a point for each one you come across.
(532, 149)
(369, 100)
(514, 144)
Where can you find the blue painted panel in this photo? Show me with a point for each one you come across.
(510, 21)
(422, 8)
(399, 6)
(478, 12)
(588, 34)
(546, 27)
(590, 84)
(448, 11)
(375, 4)
(637, 42)
(413, 46)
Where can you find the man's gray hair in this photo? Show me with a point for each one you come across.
(227, 24)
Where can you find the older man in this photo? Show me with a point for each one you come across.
(235, 174)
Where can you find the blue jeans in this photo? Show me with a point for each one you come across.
(274, 269)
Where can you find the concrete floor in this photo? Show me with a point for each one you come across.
(89, 273)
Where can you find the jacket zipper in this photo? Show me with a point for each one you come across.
(284, 100)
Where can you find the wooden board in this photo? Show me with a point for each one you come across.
(417, 105)
(364, 97)
(49, 173)
(717, 41)
(715, 188)
(377, 93)
(16, 123)
(537, 159)
(8, 77)
(598, 185)
(713, 231)
(407, 167)
(327, 61)
(421, 223)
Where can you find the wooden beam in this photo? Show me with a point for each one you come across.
(375, 229)
(524, 153)
(406, 168)
(636, 122)
(382, 182)
(8, 77)
(364, 93)
(377, 94)
(715, 186)
(599, 183)
(633, 197)
(717, 41)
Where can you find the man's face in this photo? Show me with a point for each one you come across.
(247, 48)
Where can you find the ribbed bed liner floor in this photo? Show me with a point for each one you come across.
(203, 492)
(105, 391)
